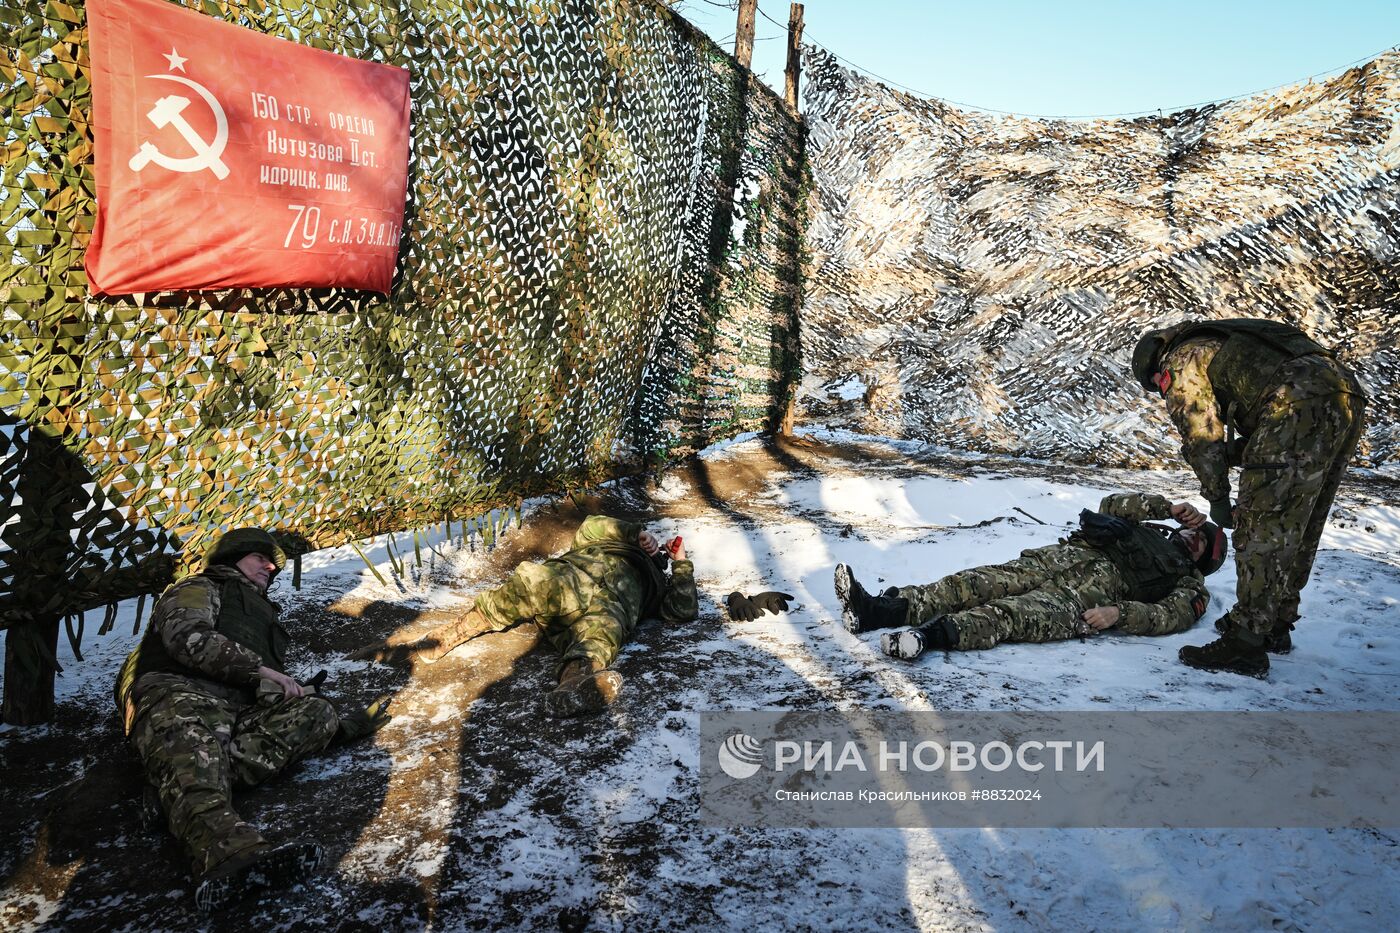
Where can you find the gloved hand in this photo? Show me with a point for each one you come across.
(773, 602)
(1222, 512)
(363, 722)
(741, 609)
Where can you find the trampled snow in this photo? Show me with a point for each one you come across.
(498, 816)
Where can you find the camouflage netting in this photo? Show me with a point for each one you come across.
(599, 269)
(980, 280)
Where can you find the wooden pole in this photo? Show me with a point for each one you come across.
(40, 543)
(29, 672)
(794, 58)
(743, 33)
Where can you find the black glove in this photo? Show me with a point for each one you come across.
(773, 602)
(363, 722)
(741, 608)
(1222, 512)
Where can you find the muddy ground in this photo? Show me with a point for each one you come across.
(473, 811)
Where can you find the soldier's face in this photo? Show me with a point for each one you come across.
(258, 568)
(1195, 542)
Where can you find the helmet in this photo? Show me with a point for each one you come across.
(1217, 543)
(238, 543)
(1148, 353)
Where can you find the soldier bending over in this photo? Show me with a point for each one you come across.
(1118, 571)
(1265, 397)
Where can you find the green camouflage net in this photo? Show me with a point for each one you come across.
(600, 268)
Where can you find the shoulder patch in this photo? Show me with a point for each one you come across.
(195, 593)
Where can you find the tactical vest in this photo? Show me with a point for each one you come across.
(244, 617)
(1149, 562)
(1245, 368)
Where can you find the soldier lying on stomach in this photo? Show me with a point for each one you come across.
(587, 602)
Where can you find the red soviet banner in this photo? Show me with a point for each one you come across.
(226, 158)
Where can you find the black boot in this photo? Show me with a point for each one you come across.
(937, 634)
(267, 868)
(861, 612)
(1278, 641)
(1235, 652)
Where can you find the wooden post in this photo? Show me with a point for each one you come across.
(39, 550)
(29, 672)
(743, 33)
(794, 59)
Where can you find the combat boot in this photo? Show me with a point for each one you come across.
(582, 689)
(937, 634)
(1234, 652)
(257, 869)
(861, 612)
(1278, 641)
(441, 640)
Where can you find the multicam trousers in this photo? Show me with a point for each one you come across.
(197, 748)
(1293, 464)
(582, 619)
(1037, 597)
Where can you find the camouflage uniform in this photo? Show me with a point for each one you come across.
(201, 719)
(1041, 595)
(588, 601)
(1297, 450)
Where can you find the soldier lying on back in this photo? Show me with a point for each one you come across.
(208, 706)
(1116, 571)
(587, 602)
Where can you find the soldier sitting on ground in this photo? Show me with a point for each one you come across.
(587, 602)
(208, 706)
(1117, 571)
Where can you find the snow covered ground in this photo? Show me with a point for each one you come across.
(470, 810)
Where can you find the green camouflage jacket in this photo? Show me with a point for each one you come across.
(601, 549)
(185, 620)
(1186, 603)
(1193, 408)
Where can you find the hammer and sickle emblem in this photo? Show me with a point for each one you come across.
(169, 111)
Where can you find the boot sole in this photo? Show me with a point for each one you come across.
(903, 646)
(280, 868)
(843, 593)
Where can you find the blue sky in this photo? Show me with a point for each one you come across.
(1072, 57)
